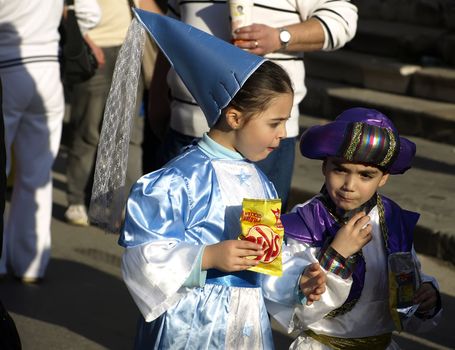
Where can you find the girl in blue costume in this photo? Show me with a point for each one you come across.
(183, 264)
(354, 232)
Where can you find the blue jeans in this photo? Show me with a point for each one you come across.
(278, 166)
(173, 144)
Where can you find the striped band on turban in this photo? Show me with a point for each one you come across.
(369, 144)
(360, 135)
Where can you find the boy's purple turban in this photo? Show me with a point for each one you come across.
(360, 135)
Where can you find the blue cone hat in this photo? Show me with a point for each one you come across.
(212, 69)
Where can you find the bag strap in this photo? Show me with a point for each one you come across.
(131, 5)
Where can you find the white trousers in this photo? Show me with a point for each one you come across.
(33, 106)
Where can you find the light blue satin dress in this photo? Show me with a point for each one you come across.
(172, 214)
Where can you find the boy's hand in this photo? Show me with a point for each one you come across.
(427, 297)
(353, 236)
(231, 255)
(312, 283)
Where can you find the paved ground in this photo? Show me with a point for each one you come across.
(83, 303)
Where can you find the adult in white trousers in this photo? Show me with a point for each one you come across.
(33, 106)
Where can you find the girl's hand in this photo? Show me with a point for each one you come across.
(312, 283)
(231, 255)
(427, 297)
(353, 236)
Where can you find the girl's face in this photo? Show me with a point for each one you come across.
(258, 136)
(351, 184)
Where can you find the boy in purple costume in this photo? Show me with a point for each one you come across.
(351, 231)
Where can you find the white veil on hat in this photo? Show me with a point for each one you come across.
(212, 69)
(109, 193)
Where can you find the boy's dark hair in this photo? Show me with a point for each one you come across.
(260, 88)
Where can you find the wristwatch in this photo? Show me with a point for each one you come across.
(285, 38)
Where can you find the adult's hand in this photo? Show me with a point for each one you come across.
(97, 51)
(259, 39)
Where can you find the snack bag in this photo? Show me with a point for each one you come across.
(404, 279)
(261, 223)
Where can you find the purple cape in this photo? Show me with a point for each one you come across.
(314, 225)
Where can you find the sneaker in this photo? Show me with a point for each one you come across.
(76, 214)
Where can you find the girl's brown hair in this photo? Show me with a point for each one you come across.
(262, 86)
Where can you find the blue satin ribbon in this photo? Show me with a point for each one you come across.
(245, 279)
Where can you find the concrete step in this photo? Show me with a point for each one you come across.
(412, 116)
(434, 13)
(362, 70)
(434, 83)
(383, 74)
(406, 42)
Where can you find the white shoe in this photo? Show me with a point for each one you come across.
(76, 214)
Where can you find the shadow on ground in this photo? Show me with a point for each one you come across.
(79, 298)
(97, 306)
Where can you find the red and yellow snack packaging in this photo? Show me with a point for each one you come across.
(260, 223)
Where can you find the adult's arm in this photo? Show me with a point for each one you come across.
(88, 14)
(150, 5)
(326, 25)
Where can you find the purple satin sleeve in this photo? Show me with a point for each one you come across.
(310, 224)
(313, 225)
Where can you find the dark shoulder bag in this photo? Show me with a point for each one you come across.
(78, 61)
(9, 338)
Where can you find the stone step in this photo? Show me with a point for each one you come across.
(405, 42)
(362, 70)
(382, 73)
(434, 83)
(434, 13)
(412, 116)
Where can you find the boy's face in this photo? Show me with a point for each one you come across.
(351, 184)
